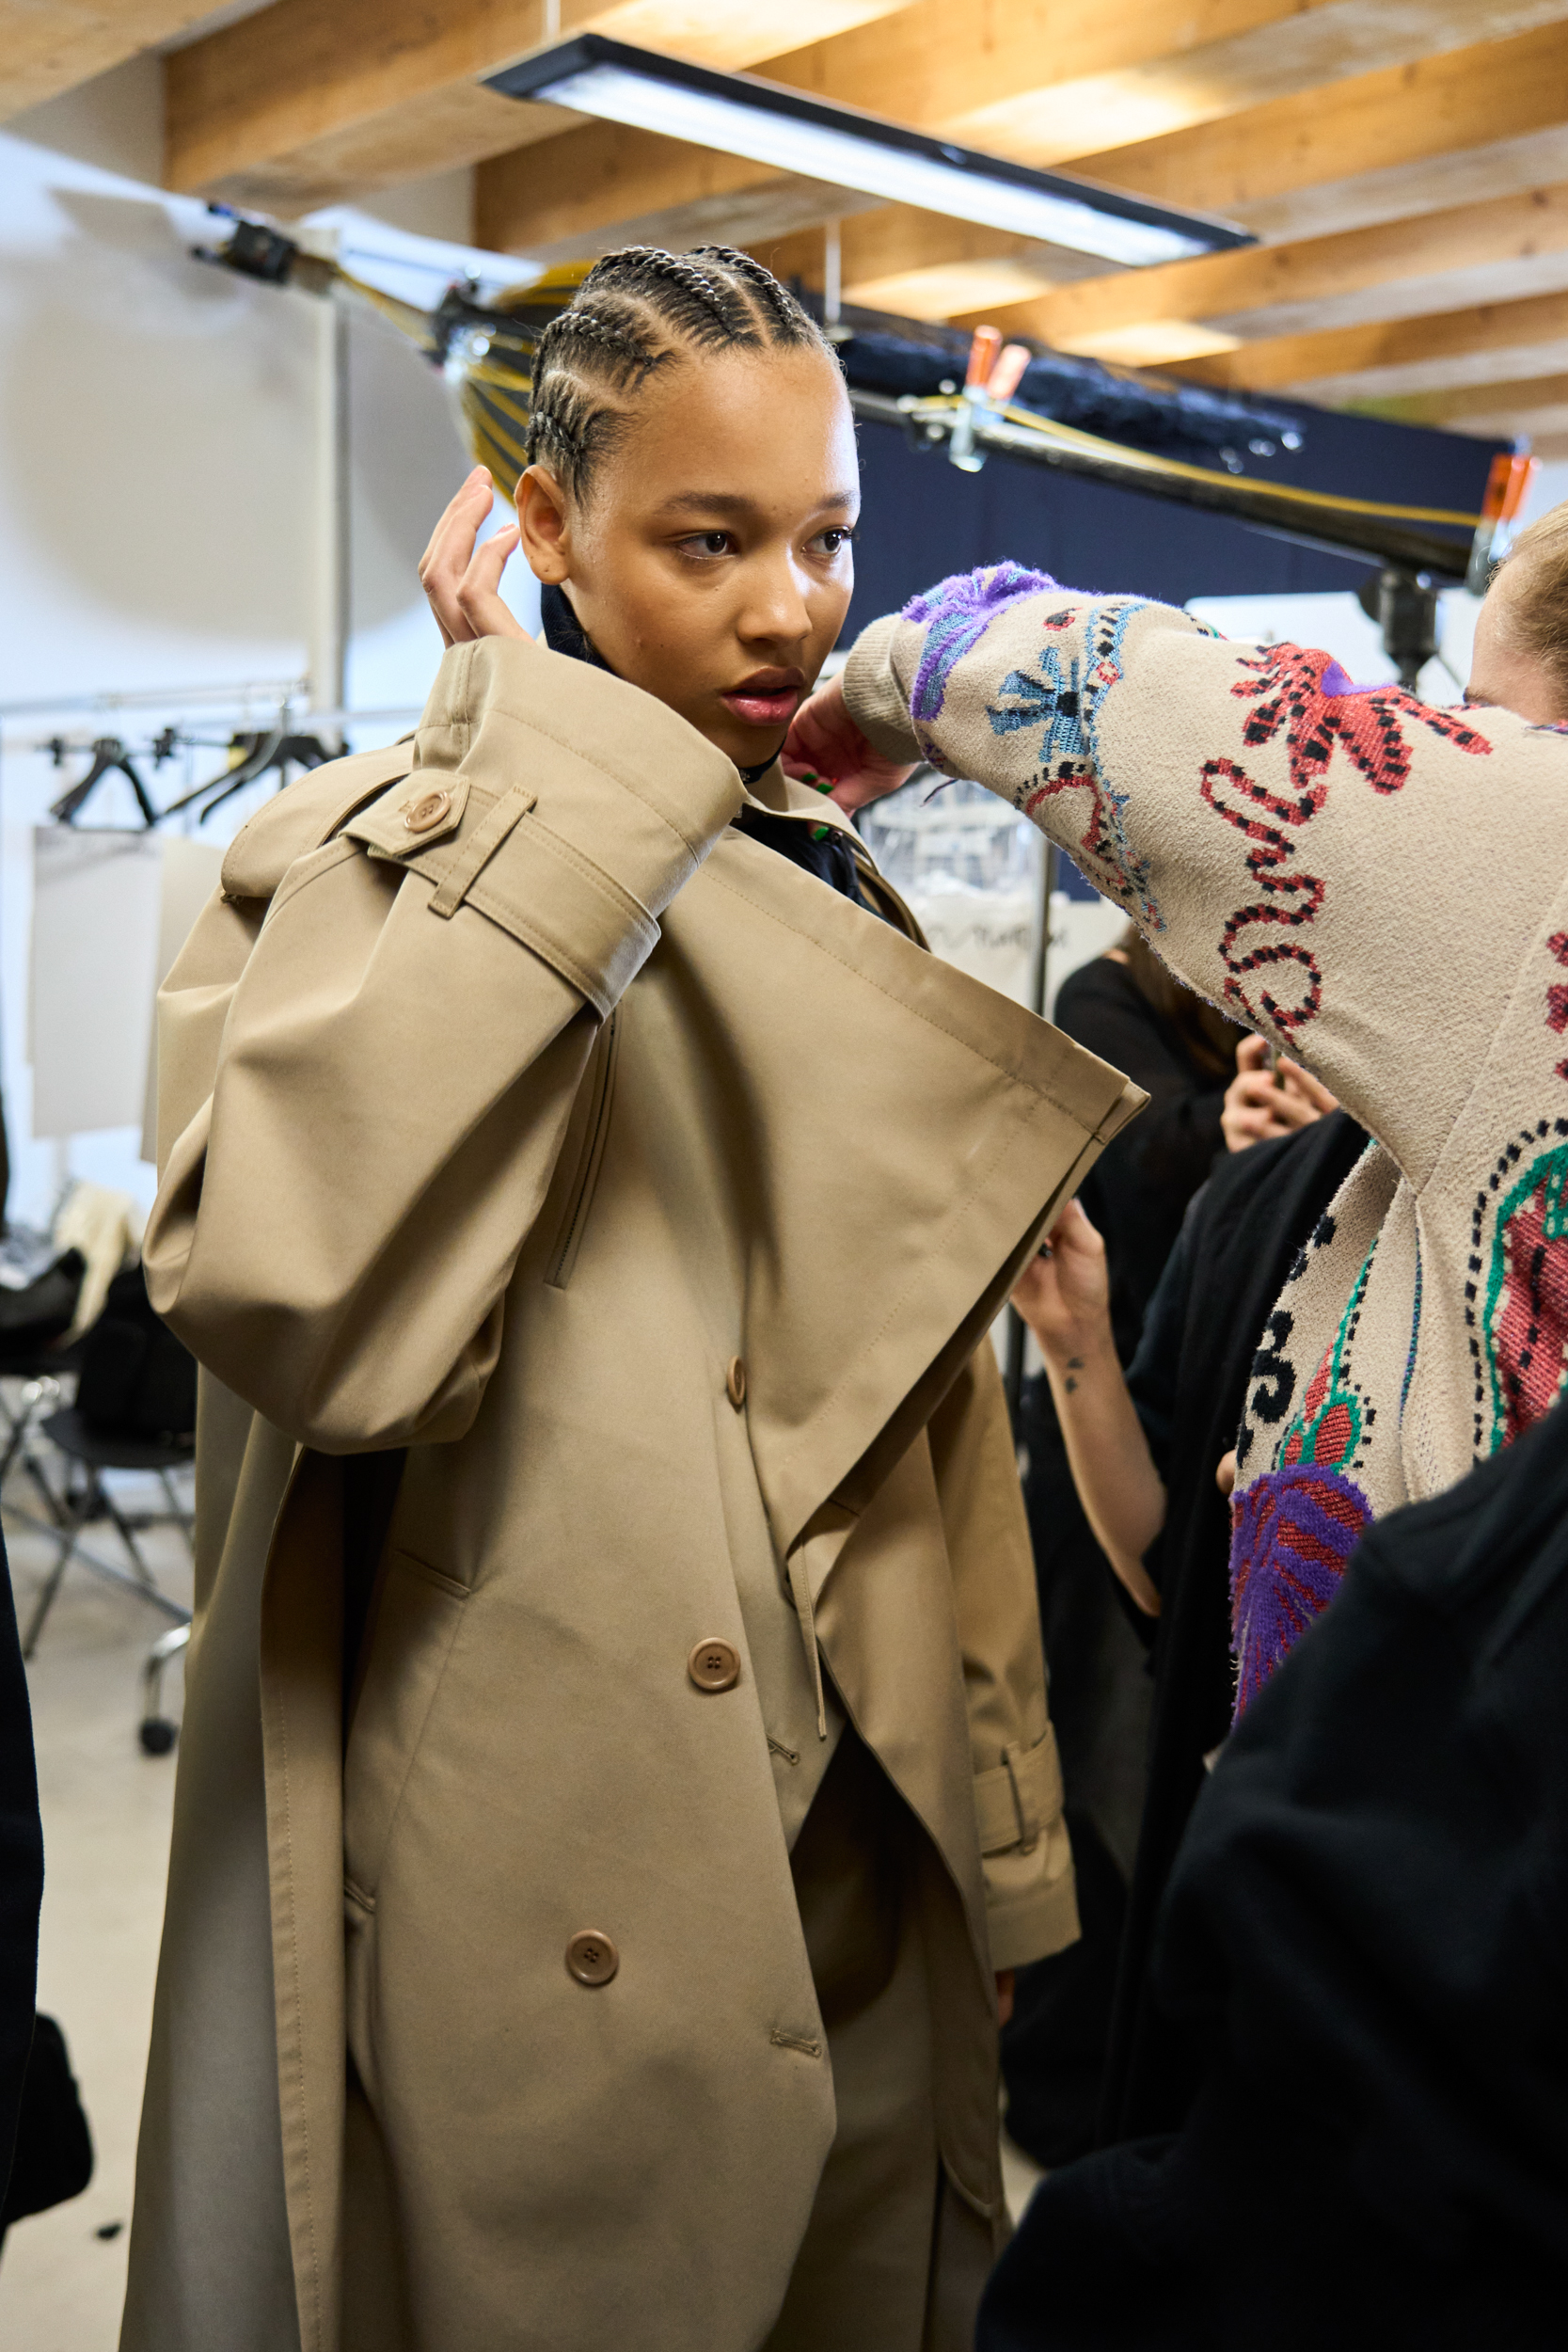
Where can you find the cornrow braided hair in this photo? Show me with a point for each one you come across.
(634, 313)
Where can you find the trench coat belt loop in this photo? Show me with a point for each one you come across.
(799, 1586)
(474, 854)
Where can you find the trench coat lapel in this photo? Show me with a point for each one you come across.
(968, 1121)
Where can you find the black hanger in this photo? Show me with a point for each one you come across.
(108, 755)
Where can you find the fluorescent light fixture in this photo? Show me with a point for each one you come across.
(740, 115)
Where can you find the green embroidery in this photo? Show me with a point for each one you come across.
(1333, 1415)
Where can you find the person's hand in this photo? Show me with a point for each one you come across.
(824, 742)
(1225, 1473)
(462, 582)
(1064, 1294)
(1005, 1979)
(1257, 1110)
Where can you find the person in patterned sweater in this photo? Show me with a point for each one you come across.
(1371, 884)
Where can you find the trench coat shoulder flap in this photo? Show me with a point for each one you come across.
(305, 814)
(913, 1152)
(611, 784)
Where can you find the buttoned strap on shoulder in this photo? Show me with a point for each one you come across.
(1020, 1798)
(479, 847)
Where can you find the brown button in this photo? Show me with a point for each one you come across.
(591, 1958)
(425, 814)
(734, 1383)
(713, 1666)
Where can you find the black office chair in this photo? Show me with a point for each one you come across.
(135, 1410)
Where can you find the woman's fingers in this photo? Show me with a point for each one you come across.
(1311, 1090)
(450, 551)
(824, 737)
(478, 599)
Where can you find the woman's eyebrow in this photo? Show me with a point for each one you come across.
(731, 502)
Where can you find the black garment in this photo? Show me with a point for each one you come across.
(1365, 1934)
(1053, 2051)
(20, 1872)
(53, 2145)
(1202, 1346)
(1137, 1191)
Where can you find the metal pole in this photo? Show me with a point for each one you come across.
(329, 572)
(833, 275)
(1012, 1376)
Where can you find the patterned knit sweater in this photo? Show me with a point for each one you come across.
(1383, 889)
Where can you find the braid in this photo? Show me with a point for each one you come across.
(633, 313)
(795, 325)
(685, 296)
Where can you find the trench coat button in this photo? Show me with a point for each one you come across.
(425, 814)
(734, 1383)
(713, 1666)
(591, 1958)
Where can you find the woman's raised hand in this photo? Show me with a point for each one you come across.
(824, 741)
(1064, 1295)
(1258, 1107)
(462, 582)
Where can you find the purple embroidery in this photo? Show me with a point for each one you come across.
(1292, 1532)
(956, 614)
(1334, 681)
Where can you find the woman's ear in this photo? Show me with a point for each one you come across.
(547, 531)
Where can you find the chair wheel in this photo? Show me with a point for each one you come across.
(156, 1735)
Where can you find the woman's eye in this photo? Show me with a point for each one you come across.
(708, 543)
(833, 541)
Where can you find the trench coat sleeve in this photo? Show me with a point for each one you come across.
(399, 1056)
(1305, 853)
(1030, 1904)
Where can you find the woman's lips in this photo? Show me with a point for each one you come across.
(763, 706)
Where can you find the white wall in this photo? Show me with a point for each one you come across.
(156, 437)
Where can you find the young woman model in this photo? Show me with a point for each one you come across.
(616, 1757)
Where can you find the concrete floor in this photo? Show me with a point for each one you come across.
(106, 1813)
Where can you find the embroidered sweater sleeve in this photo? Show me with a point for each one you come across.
(1350, 872)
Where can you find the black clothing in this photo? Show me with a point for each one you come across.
(20, 1872)
(1137, 1191)
(1365, 1937)
(1053, 2051)
(53, 2145)
(1189, 1381)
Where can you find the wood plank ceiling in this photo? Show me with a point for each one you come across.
(1404, 162)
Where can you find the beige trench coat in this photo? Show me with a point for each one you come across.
(657, 1200)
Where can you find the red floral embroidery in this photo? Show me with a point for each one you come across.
(1308, 696)
(1295, 690)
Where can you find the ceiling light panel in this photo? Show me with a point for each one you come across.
(740, 115)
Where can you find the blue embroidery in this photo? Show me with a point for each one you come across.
(1056, 703)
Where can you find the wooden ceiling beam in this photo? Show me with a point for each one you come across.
(303, 105)
(1129, 70)
(1506, 251)
(1533, 404)
(1387, 146)
(1491, 344)
(47, 50)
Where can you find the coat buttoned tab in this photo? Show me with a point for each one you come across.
(376, 1139)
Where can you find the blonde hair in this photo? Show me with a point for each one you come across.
(1535, 618)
